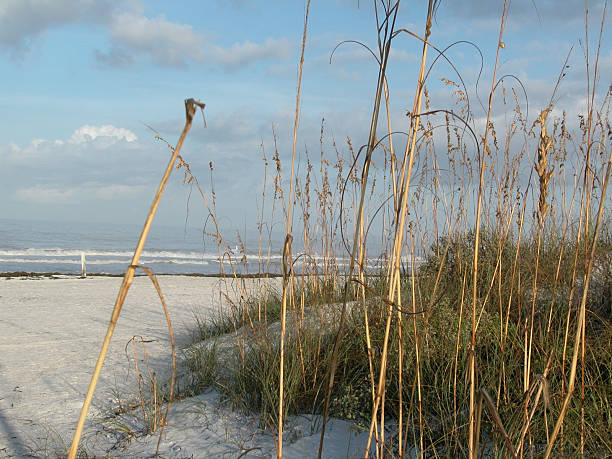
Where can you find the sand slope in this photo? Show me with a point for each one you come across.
(50, 334)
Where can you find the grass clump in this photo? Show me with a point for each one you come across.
(249, 311)
(443, 343)
(247, 343)
(202, 365)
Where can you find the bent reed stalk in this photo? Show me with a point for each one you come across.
(191, 106)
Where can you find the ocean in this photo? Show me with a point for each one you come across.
(57, 247)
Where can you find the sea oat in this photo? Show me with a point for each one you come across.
(541, 165)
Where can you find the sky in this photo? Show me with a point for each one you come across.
(84, 81)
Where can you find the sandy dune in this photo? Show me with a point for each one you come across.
(50, 334)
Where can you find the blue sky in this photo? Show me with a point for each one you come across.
(81, 79)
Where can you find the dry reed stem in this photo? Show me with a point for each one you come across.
(400, 365)
(580, 327)
(417, 341)
(363, 288)
(138, 377)
(542, 389)
(399, 300)
(287, 246)
(400, 222)
(566, 335)
(287, 275)
(171, 333)
(384, 48)
(544, 176)
(457, 347)
(391, 149)
(190, 108)
(515, 273)
(484, 397)
(482, 159)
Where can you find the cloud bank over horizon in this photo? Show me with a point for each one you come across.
(43, 171)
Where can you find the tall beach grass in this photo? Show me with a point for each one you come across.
(486, 326)
(474, 314)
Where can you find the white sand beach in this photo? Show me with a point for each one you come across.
(51, 331)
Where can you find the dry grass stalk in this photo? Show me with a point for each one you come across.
(482, 159)
(485, 398)
(541, 166)
(580, 326)
(544, 176)
(138, 375)
(402, 206)
(288, 282)
(173, 352)
(387, 31)
(500, 281)
(151, 419)
(191, 106)
(542, 385)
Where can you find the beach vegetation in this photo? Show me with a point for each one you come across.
(483, 322)
(446, 285)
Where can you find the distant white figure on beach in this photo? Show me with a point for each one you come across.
(83, 265)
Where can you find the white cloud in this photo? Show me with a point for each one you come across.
(39, 194)
(84, 142)
(86, 192)
(35, 149)
(116, 191)
(115, 57)
(22, 21)
(87, 133)
(96, 160)
(134, 36)
(163, 42)
(244, 54)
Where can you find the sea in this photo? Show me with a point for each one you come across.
(59, 246)
(45, 247)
